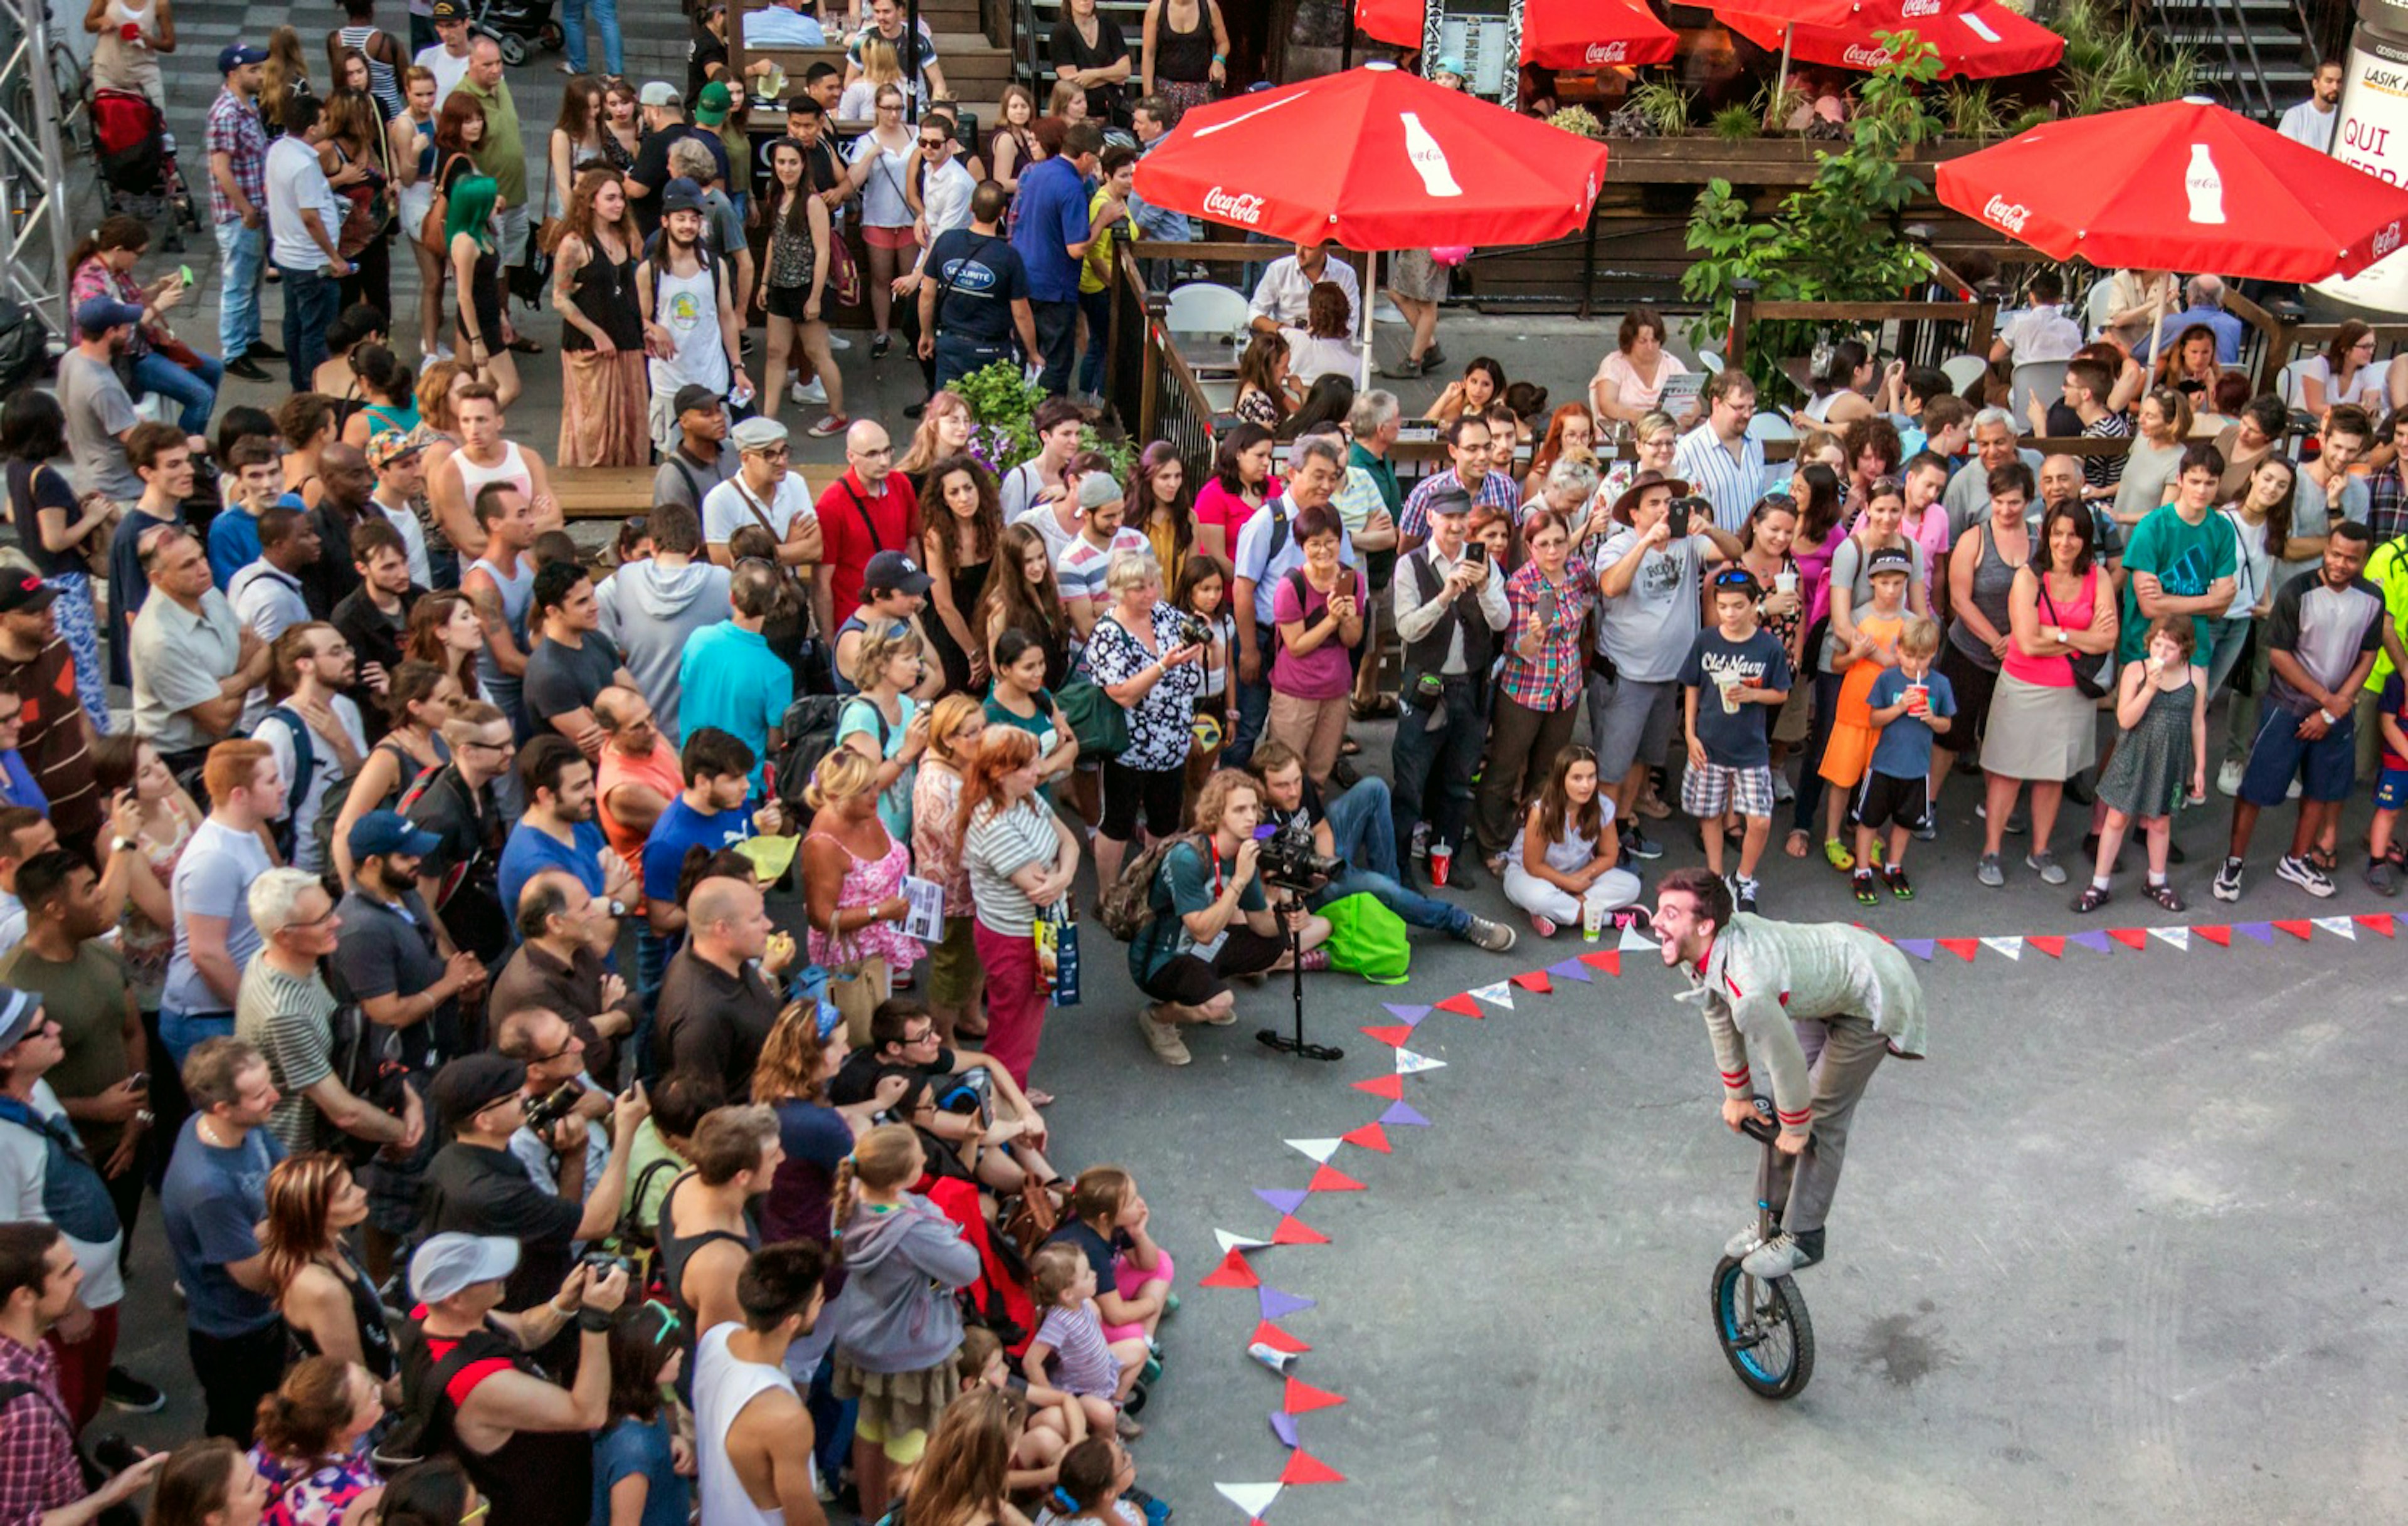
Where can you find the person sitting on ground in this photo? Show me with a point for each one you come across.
(1070, 1350)
(1052, 1421)
(903, 1041)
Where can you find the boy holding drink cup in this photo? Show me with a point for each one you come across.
(1908, 704)
(1729, 777)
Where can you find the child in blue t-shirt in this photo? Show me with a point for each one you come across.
(1909, 704)
(1735, 680)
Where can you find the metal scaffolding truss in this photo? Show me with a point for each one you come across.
(34, 214)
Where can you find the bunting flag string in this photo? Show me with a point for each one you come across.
(1277, 1348)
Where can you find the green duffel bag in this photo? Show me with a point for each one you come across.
(1368, 939)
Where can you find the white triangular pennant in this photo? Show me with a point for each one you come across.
(1633, 939)
(1496, 996)
(2338, 924)
(1318, 1151)
(1253, 1499)
(2010, 946)
(1410, 1063)
(1236, 1242)
(2177, 937)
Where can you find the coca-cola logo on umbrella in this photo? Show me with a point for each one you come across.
(1233, 206)
(1858, 56)
(2008, 215)
(1919, 8)
(2388, 240)
(1606, 53)
(1428, 159)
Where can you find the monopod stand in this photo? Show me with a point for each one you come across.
(1270, 1038)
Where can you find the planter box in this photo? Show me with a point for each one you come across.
(1698, 157)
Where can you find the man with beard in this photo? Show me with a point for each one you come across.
(350, 484)
(570, 660)
(374, 616)
(100, 414)
(316, 738)
(559, 831)
(1820, 1004)
(688, 299)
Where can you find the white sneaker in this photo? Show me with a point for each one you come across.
(814, 391)
(838, 341)
(2227, 778)
(1747, 1239)
(1782, 1255)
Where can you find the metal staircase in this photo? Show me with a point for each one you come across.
(2256, 56)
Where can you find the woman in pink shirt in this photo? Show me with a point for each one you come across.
(1319, 611)
(1242, 482)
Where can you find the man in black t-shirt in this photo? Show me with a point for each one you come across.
(374, 617)
(665, 124)
(974, 296)
(706, 50)
(573, 662)
(903, 1042)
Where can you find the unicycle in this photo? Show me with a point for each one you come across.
(1762, 1325)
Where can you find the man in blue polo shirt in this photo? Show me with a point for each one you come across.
(559, 831)
(1052, 238)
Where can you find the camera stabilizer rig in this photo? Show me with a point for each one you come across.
(1288, 861)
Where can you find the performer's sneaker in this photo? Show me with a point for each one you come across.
(1747, 1239)
(1782, 1254)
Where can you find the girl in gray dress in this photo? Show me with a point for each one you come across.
(2160, 763)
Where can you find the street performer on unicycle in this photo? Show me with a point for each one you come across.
(1819, 1006)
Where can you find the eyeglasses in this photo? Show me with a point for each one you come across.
(485, 747)
(774, 452)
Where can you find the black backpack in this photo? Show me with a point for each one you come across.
(365, 1056)
(807, 734)
(24, 353)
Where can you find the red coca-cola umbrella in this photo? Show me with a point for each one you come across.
(1556, 34)
(2185, 185)
(1986, 42)
(1375, 159)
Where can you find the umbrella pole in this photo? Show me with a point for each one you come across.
(2157, 325)
(1363, 317)
(1780, 79)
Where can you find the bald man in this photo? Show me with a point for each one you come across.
(351, 486)
(2060, 483)
(558, 967)
(871, 509)
(716, 1008)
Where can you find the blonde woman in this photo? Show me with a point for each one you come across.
(883, 722)
(853, 889)
(955, 980)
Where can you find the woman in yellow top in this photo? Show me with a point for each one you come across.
(1106, 212)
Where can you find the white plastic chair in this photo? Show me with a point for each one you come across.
(2044, 379)
(1765, 428)
(1206, 307)
(1711, 361)
(2287, 385)
(1962, 370)
(2101, 303)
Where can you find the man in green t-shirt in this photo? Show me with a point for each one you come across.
(2180, 558)
(1212, 921)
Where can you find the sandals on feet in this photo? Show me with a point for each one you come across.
(2164, 895)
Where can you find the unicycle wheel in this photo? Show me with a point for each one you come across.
(1764, 1331)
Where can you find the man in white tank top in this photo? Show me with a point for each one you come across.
(485, 457)
(753, 1437)
(691, 335)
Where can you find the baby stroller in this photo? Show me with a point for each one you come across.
(514, 23)
(138, 164)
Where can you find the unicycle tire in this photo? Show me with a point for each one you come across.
(1771, 1346)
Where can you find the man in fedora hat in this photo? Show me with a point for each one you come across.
(1450, 610)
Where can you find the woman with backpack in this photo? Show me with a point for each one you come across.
(419, 697)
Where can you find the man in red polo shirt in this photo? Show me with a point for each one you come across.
(871, 509)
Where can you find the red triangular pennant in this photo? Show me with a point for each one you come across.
(1607, 960)
(2219, 935)
(1268, 1334)
(1390, 1087)
(2053, 947)
(2377, 921)
(1330, 1179)
(1463, 1004)
(1294, 1231)
(1396, 1038)
(1962, 948)
(1305, 1468)
(1369, 1136)
(2130, 938)
(1303, 1398)
(1534, 981)
(2301, 931)
(1233, 1272)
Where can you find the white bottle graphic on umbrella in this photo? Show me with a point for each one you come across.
(2205, 184)
(1428, 159)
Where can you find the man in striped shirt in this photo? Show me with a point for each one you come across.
(1717, 458)
(1468, 443)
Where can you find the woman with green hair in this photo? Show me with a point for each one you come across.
(476, 274)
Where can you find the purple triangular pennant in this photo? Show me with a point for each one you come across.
(1283, 1427)
(2262, 932)
(1285, 1199)
(1399, 1112)
(1920, 947)
(1278, 1306)
(2095, 942)
(1571, 969)
(1404, 1013)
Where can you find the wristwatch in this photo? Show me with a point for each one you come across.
(123, 845)
(618, 907)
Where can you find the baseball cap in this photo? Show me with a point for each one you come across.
(24, 590)
(1451, 63)
(471, 1082)
(659, 93)
(17, 1010)
(1096, 489)
(1890, 558)
(1448, 498)
(390, 832)
(895, 571)
(387, 445)
(710, 106)
(681, 196)
(447, 1263)
(96, 316)
(234, 55)
(693, 395)
(449, 10)
(758, 434)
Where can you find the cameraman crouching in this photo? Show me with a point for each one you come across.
(466, 1378)
(1212, 921)
(1358, 832)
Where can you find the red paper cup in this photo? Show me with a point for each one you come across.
(1441, 857)
(130, 32)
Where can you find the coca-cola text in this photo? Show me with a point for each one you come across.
(1606, 53)
(1233, 206)
(2008, 215)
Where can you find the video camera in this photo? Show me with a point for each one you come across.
(553, 1105)
(1287, 860)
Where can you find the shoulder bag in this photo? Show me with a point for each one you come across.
(2094, 677)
